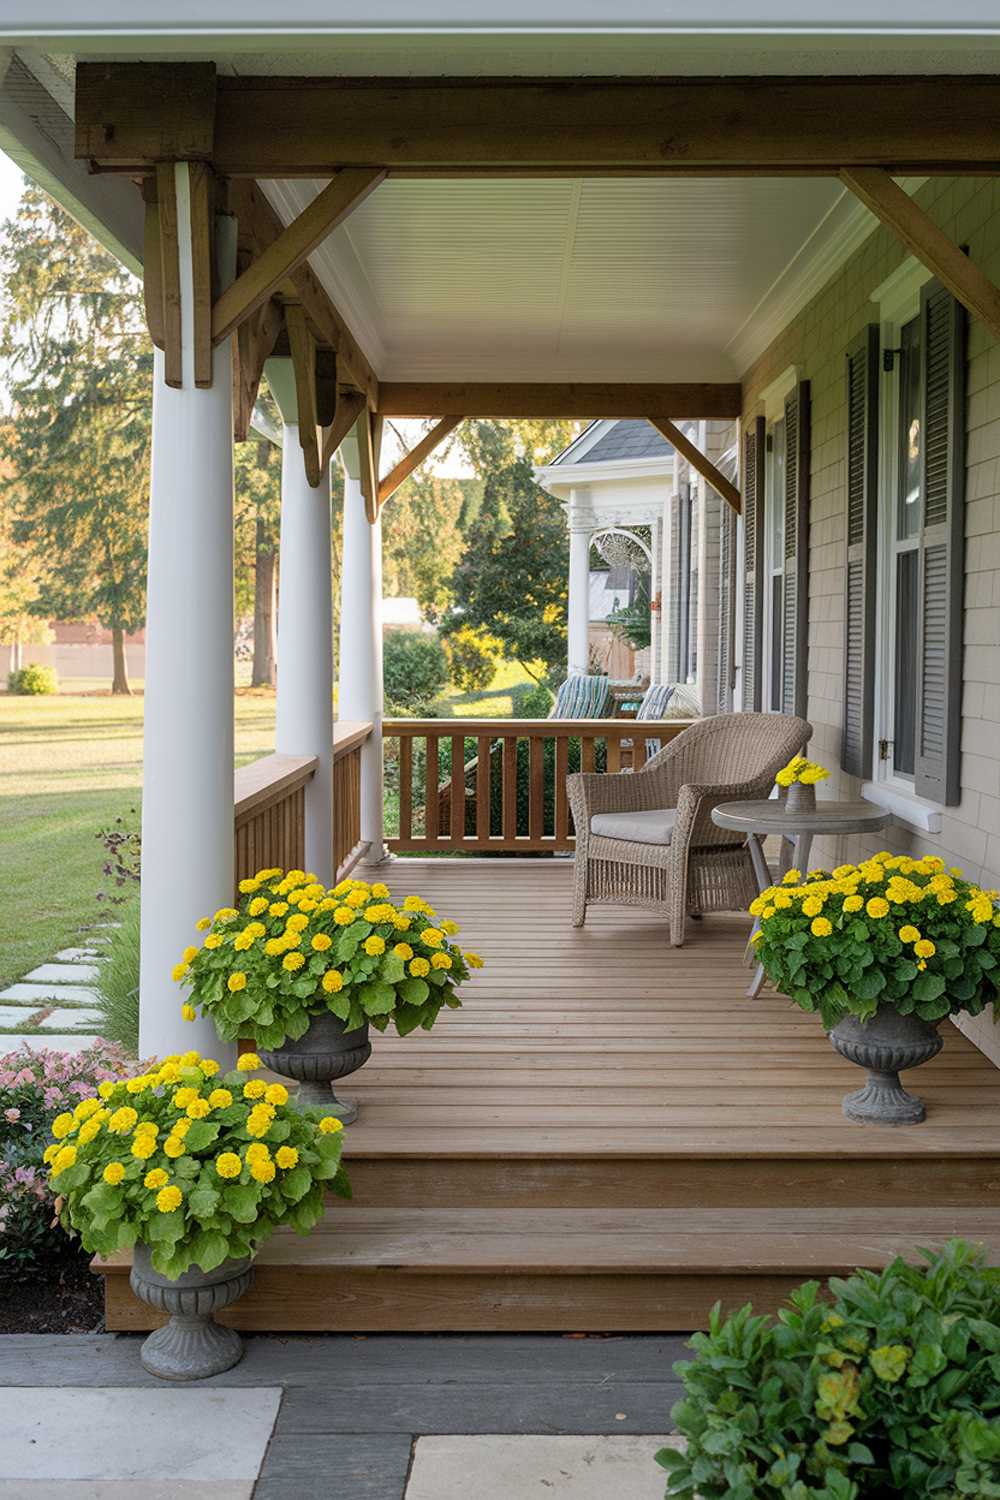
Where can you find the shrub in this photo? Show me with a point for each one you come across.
(534, 701)
(34, 1088)
(892, 1387)
(33, 681)
(414, 668)
(118, 982)
(473, 655)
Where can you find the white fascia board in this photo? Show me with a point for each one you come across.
(37, 134)
(555, 477)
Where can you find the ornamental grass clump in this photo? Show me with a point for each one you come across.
(295, 949)
(905, 933)
(199, 1167)
(890, 1388)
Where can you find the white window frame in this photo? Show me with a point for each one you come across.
(898, 301)
(772, 401)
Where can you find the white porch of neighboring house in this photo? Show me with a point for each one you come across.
(446, 248)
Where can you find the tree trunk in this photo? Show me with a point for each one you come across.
(119, 681)
(18, 654)
(265, 593)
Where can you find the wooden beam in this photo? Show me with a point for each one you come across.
(412, 460)
(202, 259)
(255, 339)
(349, 408)
(310, 127)
(152, 263)
(698, 460)
(369, 436)
(289, 249)
(303, 351)
(560, 399)
(918, 232)
(260, 225)
(170, 273)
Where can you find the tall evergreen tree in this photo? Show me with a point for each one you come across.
(78, 369)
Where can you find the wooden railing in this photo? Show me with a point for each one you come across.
(348, 739)
(511, 795)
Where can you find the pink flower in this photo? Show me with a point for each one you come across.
(12, 1116)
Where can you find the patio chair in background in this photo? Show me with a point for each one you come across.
(581, 697)
(648, 839)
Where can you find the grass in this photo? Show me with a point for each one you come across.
(496, 702)
(69, 766)
(118, 981)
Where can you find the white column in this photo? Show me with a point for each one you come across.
(656, 592)
(187, 802)
(304, 715)
(581, 529)
(360, 696)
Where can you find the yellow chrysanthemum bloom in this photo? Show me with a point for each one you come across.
(262, 1171)
(64, 1157)
(242, 941)
(877, 907)
(401, 924)
(343, 916)
(255, 1089)
(297, 923)
(86, 1108)
(226, 914)
(403, 951)
(178, 971)
(329, 1125)
(181, 1127)
(812, 906)
(106, 1088)
(782, 900)
(333, 981)
(156, 1178)
(257, 1151)
(228, 1164)
(321, 941)
(123, 1120)
(143, 1146)
(257, 1123)
(273, 947)
(286, 1156)
(412, 903)
(356, 899)
(62, 1125)
(946, 897)
(853, 903)
(203, 924)
(276, 1093)
(168, 1198)
(114, 1172)
(449, 927)
(440, 961)
(785, 777)
(473, 960)
(380, 891)
(247, 1062)
(188, 1012)
(198, 1109)
(213, 941)
(249, 885)
(277, 908)
(236, 981)
(374, 945)
(173, 1146)
(257, 906)
(89, 1131)
(433, 937)
(909, 934)
(791, 877)
(220, 1098)
(419, 967)
(821, 927)
(209, 1067)
(767, 913)
(292, 961)
(925, 948)
(182, 1097)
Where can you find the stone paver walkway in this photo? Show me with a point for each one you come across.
(376, 1418)
(56, 1000)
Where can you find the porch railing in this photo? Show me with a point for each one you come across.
(347, 845)
(511, 794)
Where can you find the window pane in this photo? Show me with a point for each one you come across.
(904, 718)
(910, 435)
(776, 498)
(777, 623)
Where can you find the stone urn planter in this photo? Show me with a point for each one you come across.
(326, 1052)
(886, 1045)
(191, 1346)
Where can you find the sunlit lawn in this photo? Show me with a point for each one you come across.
(69, 766)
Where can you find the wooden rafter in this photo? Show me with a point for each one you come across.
(699, 461)
(561, 399)
(349, 408)
(131, 115)
(303, 351)
(170, 273)
(412, 460)
(369, 430)
(289, 249)
(918, 232)
(255, 340)
(202, 256)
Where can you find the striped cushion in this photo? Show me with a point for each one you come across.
(654, 704)
(583, 698)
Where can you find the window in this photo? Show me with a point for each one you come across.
(774, 564)
(900, 652)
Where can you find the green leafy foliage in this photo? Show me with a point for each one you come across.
(197, 1165)
(889, 1385)
(33, 681)
(414, 668)
(891, 931)
(472, 658)
(294, 949)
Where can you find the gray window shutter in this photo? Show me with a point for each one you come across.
(726, 665)
(942, 538)
(795, 598)
(862, 528)
(753, 561)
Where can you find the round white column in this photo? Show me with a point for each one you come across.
(304, 720)
(578, 609)
(360, 696)
(187, 801)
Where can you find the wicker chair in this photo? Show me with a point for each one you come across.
(660, 848)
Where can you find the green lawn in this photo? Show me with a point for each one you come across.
(496, 701)
(70, 765)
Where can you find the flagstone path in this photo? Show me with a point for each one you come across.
(55, 1004)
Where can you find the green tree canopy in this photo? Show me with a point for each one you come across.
(78, 367)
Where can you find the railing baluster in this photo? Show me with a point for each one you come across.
(457, 788)
(484, 782)
(509, 790)
(614, 744)
(587, 752)
(561, 802)
(536, 788)
(432, 786)
(405, 788)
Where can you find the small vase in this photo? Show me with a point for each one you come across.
(885, 1045)
(324, 1053)
(191, 1346)
(801, 799)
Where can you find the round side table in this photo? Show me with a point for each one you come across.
(796, 829)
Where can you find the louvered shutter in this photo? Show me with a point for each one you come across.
(753, 561)
(795, 598)
(727, 608)
(942, 497)
(862, 525)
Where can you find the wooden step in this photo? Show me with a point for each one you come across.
(586, 1270)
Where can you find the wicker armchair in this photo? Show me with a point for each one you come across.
(684, 863)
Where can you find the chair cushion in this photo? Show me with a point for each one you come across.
(654, 703)
(582, 697)
(655, 826)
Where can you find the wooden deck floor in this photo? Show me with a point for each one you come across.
(610, 1135)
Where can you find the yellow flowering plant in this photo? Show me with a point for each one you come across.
(199, 1166)
(805, 772)
(294, 949)
(894, 931)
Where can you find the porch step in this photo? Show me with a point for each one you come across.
(584, 1269)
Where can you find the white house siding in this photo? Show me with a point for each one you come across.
(816, 341)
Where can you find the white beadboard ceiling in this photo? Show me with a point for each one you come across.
(622, 279)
